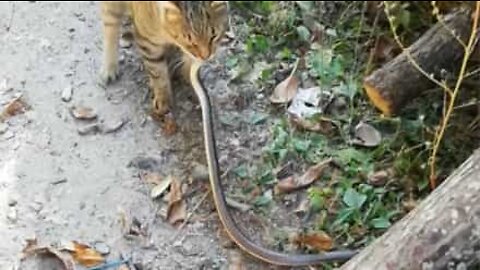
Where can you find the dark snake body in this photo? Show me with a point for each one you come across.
(259, 252)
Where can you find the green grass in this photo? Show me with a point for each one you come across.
(349, 208)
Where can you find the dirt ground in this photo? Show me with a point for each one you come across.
(57, 184)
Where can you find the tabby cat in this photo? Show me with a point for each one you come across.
(194, 27)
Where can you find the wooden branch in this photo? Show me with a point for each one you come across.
(443, 232)
(392, 86)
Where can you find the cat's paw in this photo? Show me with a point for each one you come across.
(108, 74)
(160, 107)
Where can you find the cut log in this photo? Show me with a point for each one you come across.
(443, 232)
(392, 86)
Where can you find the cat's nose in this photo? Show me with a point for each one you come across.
(204, 53)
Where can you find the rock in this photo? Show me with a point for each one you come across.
(125, 43)
(67, 93)
(83, 113)
(3, 128)
(199, 172)
(12, 215)
(89, 129)
(111, 126)
(102, 248)
(11, 202)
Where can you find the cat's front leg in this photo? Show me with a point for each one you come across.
(112, 14)
(160, 85)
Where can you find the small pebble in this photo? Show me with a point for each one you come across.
(83, 113)
(125, 43)
(12, 215)
(111, 126)
(89, 129)
(3, 128)
(199, 172)
(102, 248)
(12, 202)
(67, 93)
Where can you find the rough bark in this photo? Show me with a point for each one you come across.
(443, 232)
(396, 83)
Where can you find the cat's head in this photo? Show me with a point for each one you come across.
(196, 26)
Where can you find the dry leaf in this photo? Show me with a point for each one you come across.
(123, 267)
(285, 91)
(322, 125)
(32, 248)
(378, 178)
(83, 113)
(319, 241)
(86, 256)
(14, 107)
(177, 209)
(292, 183)
(366, 135)
(160, 188)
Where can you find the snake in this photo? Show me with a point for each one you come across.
(230, 226)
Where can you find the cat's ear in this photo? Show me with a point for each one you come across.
(171, 10)
(219, 6)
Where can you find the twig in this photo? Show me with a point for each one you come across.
(189, 216)
(238, 205)
(11, 18)
(439, 135)
(409, 55)
(436, 12)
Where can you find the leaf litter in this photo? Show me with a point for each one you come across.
(177, 208)
(313, 173)
(319, 240)
(285, 91)
(32, 249)
(14, 107)
(366, 135)
(86, 255)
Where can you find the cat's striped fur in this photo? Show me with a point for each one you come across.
(196, 27)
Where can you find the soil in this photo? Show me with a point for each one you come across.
(69, 179)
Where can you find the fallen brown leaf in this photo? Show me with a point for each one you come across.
(367, 135)
(285, 91)
(85, 255)
(177, 209)
(321, 125)
(319, 241)
(293, 183)
(32, 248)
(13, 108)
(379, 178)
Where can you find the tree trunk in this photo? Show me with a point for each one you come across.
(443, 232)
(392, 86)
